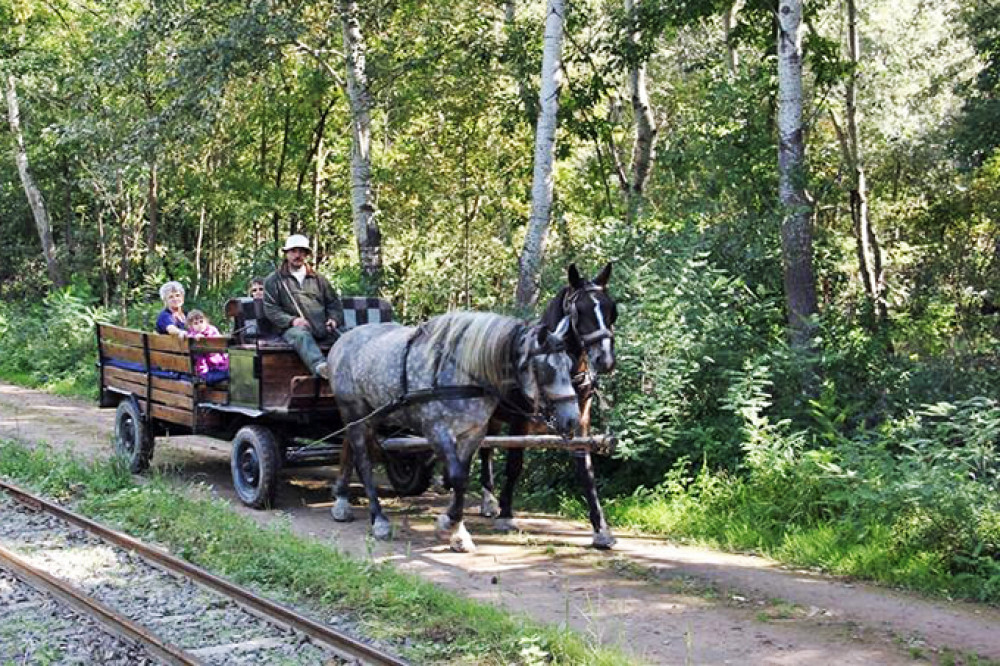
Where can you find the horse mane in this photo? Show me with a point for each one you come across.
(554, 312)
(479, 342)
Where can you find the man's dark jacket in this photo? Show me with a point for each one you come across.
(316, 297)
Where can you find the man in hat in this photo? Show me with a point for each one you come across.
(302, 305)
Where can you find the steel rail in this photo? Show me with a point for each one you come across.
(115, 622)
(342, 644)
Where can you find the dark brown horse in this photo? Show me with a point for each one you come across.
(590, 343)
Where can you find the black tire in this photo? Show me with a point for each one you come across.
(410, 473)
(254, 464)
(133, 441)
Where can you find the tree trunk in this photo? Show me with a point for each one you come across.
(645, 126)
(796, 226)
(732, 55)
(545, 149)
(35, 199)
(153, 202)
(869, 253)
(366, 230)
(197, 250)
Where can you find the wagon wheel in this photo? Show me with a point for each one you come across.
(133, 441)
(410, 473)
(254, 465)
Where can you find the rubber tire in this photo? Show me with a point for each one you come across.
(133, 441)
(254, 465)
(410, 473)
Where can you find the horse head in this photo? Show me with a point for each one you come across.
(544, 375)
(592, 313)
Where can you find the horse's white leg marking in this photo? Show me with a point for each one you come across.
(490, 506)
(505, 525)
(341, 510)
(381, 529)
(604, 540)
(461, 540)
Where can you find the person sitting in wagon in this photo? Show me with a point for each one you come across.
(214, 366)
(302, 305)
(172, 318)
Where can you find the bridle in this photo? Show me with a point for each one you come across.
(571, 304)
(554, 344)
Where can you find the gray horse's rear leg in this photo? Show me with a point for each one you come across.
(341, 509)
(359, 436)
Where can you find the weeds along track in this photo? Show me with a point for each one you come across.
(156, 607)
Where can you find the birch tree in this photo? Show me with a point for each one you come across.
(868, 250)
(366, 229)
(545, 152)
(643, 149)
(35, 198)
(796, 208)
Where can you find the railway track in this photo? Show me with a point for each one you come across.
(161, 608)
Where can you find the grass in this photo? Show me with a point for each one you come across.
(421, 621)
(867, 552)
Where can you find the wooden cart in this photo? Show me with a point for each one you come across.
(272, 408)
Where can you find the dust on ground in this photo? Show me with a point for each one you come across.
(663, 602)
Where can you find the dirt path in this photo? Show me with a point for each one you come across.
(667, 604)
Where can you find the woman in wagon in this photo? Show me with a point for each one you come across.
(172, 319)
(302, 305)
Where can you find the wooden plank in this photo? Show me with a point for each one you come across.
(123, 385)
(124, 336)
(218, 396)
(173, 385)
(306, 386)
(167, 361)
(111, 372)
(282, 365)
(173, 415)
(173, 399)
(122, 353)
(209, 345)
(168, 343)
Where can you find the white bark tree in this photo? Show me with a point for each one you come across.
(545, 151)
(35, 198)
(796, 208)
(644, 148)
(366, 230)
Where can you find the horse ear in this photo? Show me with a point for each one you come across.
(602, 278)
(543, 335)
(575, 279)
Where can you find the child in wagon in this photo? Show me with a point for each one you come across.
(212, 367)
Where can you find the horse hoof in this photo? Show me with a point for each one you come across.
(444, 528)
(490, 508)
(341, 511)
(604, 540)
(382, 529)
(505, 525)
(461, 540)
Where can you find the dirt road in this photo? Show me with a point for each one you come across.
(665, 603)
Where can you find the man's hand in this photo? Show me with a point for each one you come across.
(331, 324)
(301, 322)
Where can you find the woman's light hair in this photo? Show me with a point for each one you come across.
(170, 288)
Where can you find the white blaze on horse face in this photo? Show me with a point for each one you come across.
(601, 326)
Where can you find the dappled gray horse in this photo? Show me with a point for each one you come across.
(443, 380)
